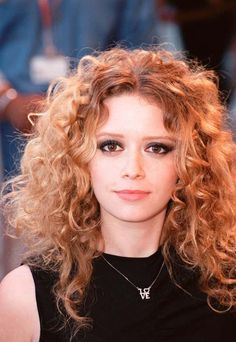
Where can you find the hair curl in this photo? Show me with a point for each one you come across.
(52, 204)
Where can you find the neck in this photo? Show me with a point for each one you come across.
(132, 239)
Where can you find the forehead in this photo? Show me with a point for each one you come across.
(131, 113)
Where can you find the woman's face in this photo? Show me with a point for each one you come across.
(133, 172)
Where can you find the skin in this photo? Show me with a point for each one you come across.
(135, 152)
(16, 112)
(18, 109)
(19, 319)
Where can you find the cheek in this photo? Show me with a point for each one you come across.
(171, 177)
(102, 166)
(171, 174)
(165, 178)
(98, 172)
(172, 183)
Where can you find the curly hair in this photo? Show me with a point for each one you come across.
(51, 203)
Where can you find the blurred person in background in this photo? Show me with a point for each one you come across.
(207, 29)
(207, 32)
(43, 39)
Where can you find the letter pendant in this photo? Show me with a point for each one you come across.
(144, 293)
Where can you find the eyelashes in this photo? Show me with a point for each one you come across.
(159, 148)
(112, 146)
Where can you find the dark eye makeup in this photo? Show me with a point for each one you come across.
(159, 148)
(111, 145)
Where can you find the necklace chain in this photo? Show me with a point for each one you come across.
(144, 292)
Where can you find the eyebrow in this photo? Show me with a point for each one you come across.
(153, 137)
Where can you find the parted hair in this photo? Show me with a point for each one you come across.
(51, 204)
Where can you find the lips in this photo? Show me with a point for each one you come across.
(132, 195)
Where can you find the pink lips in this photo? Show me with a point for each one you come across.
(132, 195)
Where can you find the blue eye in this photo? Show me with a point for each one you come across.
(110, 146)
(159, 148)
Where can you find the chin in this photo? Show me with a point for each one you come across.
(135, 218)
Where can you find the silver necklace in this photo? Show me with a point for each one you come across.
(144, 292)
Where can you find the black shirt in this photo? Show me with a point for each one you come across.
(173, 313)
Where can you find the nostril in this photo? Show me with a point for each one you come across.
(132, 172)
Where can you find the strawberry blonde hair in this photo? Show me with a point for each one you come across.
(51, 203)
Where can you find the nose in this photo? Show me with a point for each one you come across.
(133, 167)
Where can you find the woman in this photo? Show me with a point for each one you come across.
(127, 204)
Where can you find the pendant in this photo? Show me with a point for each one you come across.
(144, 293)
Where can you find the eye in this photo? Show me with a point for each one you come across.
(159, 148)
(110, 146)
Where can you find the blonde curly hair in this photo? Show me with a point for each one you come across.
(51, 203)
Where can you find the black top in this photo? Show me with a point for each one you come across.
(120, 314)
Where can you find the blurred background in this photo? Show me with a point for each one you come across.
(43, 39)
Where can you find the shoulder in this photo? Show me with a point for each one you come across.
(18, 308)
